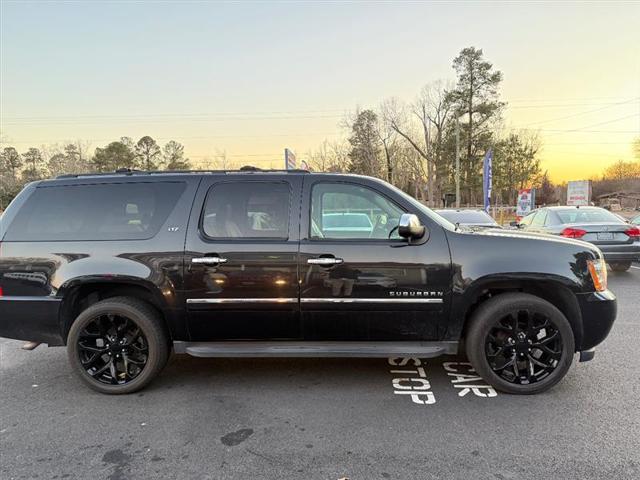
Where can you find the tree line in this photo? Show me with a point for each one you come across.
(413, 144)
(17, 169)
(410, 144)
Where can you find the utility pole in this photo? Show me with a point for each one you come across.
(457, 163)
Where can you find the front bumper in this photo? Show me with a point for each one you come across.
(599, 311)
(31, 319)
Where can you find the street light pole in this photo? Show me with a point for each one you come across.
(457, 163)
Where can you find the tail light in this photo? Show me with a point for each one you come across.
(633, 232)
(573, 233)
(598, 271)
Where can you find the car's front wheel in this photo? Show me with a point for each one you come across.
(118, 345)
(520, 343)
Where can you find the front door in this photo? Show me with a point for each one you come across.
(359, 279)
(241, 259)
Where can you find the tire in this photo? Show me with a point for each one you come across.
(487, 356)
(94, 333)
(620, 266)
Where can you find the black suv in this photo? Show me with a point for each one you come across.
(123, 267)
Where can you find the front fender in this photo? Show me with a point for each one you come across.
(554, 269)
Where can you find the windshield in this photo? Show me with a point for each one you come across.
(583, 215)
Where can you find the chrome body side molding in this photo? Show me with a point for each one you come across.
(242, 300)
(315, 300)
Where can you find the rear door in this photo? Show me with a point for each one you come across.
(241, 258)
(359, 280)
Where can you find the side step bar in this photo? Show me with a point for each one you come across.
(316, 349)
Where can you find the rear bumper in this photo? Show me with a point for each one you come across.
(621, 253)
(31, 319)
(599, 311)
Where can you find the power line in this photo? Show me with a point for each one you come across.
(582, 113)
(268, 115)
(172, 114)
(158, 121)
(180, 137)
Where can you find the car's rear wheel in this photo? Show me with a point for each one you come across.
(520, 343)
(118, 345)
(620, 266)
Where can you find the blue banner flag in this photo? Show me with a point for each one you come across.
(486, 179)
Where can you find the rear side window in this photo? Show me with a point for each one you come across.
(247, 210)
(124, 211)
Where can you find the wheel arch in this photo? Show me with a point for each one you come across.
(79, 294)
(553, 291)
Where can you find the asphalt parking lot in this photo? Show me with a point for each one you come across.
(325, 418)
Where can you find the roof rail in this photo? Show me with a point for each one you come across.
(130, 172)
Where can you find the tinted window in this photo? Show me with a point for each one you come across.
(539, 218)
(345, 211)
(587, 215)
(247, 210)
(125, 211)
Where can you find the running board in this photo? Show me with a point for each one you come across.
(316, 349)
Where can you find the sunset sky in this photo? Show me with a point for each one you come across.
(254, 78)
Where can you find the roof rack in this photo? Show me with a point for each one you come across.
(131, 172)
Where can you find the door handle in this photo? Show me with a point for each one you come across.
(325, 261)
(209, 260)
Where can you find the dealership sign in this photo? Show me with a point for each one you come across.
(579, 192)
(526, 201)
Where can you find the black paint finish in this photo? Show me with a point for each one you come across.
(266, 290)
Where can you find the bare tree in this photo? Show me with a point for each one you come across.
(389, 139)
(329, 157)
(422, 124)
(220, 160)
(397, 115)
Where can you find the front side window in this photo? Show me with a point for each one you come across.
(247, 210)
(346, 211)
(116, 211)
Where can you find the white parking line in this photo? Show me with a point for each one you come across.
(633, 266)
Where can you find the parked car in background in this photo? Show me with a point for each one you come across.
(618, 239)
(469, 218)
(345, 224)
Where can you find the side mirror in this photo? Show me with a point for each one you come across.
(410, 227)
(514, 224)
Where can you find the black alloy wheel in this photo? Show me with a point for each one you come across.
(113, 349)
(523, 347)
(520, 343)
(118, 345)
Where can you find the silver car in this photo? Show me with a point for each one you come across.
(618, 239)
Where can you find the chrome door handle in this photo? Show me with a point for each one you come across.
(325, 261)
(209, 260)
